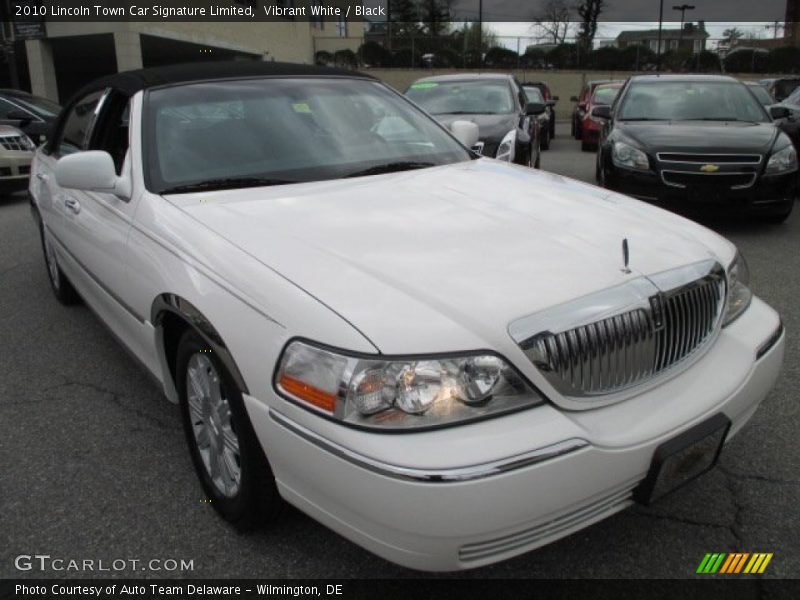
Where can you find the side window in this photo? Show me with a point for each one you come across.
(110, 131)
(6, 107)
(78, 123)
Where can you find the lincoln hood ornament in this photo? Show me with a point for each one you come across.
(625, 256)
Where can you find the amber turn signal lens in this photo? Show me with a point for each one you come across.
(308, 393)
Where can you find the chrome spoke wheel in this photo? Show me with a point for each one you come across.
(50, 259)
(214, 431)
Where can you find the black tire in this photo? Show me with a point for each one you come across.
(545, 139)
(553, 128)
(586, 147)
(62, 287)
(256, 500)
(577, 130)
(781, 215)
(538, 163)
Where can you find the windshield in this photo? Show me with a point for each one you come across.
(481, 96)
(270, 131)
(784, 87)
(691, 101)
(605, 95)
(533, 94)
(794, 98)
(761, 94)
(39, 106)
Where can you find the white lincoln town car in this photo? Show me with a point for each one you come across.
(447, 359)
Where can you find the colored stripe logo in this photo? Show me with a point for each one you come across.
(734, 563)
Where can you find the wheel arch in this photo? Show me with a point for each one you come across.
(171, 315)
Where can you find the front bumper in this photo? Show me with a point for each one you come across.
(15, 169)
(590, 132)
(767, 194)
(441, 525)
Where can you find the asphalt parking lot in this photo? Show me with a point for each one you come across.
(93, 463)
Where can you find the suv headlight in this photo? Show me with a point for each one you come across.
(407, 393)
(739, 293)
(626, 156)
(782, 161)
(505, 151)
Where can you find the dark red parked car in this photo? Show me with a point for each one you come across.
(604, 94)
(581, 101)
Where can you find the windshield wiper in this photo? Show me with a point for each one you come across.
(225, 183)
(712, 119)
(392, 167)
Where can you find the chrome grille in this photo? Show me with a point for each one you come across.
(633, 346)
(702, 159)
(14, 142)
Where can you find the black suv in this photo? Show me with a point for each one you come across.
(549, 100)
(692, 141)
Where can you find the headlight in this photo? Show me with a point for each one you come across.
(28, 143)
(782, 161)
(739, 294)
(625, 155)
(401, 394)
(505, 151)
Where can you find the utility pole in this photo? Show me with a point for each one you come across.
(775, 26)
(683, 8)
(660, 24)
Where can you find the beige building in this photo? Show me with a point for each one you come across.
(73, 53)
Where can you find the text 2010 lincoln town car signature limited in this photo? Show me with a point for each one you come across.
(447, 359)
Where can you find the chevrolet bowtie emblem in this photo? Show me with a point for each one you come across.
(709, 168)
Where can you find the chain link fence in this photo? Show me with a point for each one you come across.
(458, 51)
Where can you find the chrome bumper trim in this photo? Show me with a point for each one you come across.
(458, 474)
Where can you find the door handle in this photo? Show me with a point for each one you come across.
(72, 205)
(42, 176)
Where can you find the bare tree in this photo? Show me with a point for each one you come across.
(589, 11)
(553, 20)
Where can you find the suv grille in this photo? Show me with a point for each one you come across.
(14, 142)
(623, 350)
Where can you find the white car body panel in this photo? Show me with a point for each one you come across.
(418, 262)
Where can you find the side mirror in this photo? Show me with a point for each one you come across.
(19, 115)
(602, 112)
(779, 112)
(573, 98)
(555, 99)
(92, 171)
(551, 103)
(534, 108)
(465, 132)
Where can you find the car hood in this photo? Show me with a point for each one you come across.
(491, 128)
(702, 136)
(442, 259)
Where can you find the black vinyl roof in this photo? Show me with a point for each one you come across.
(131, 82)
